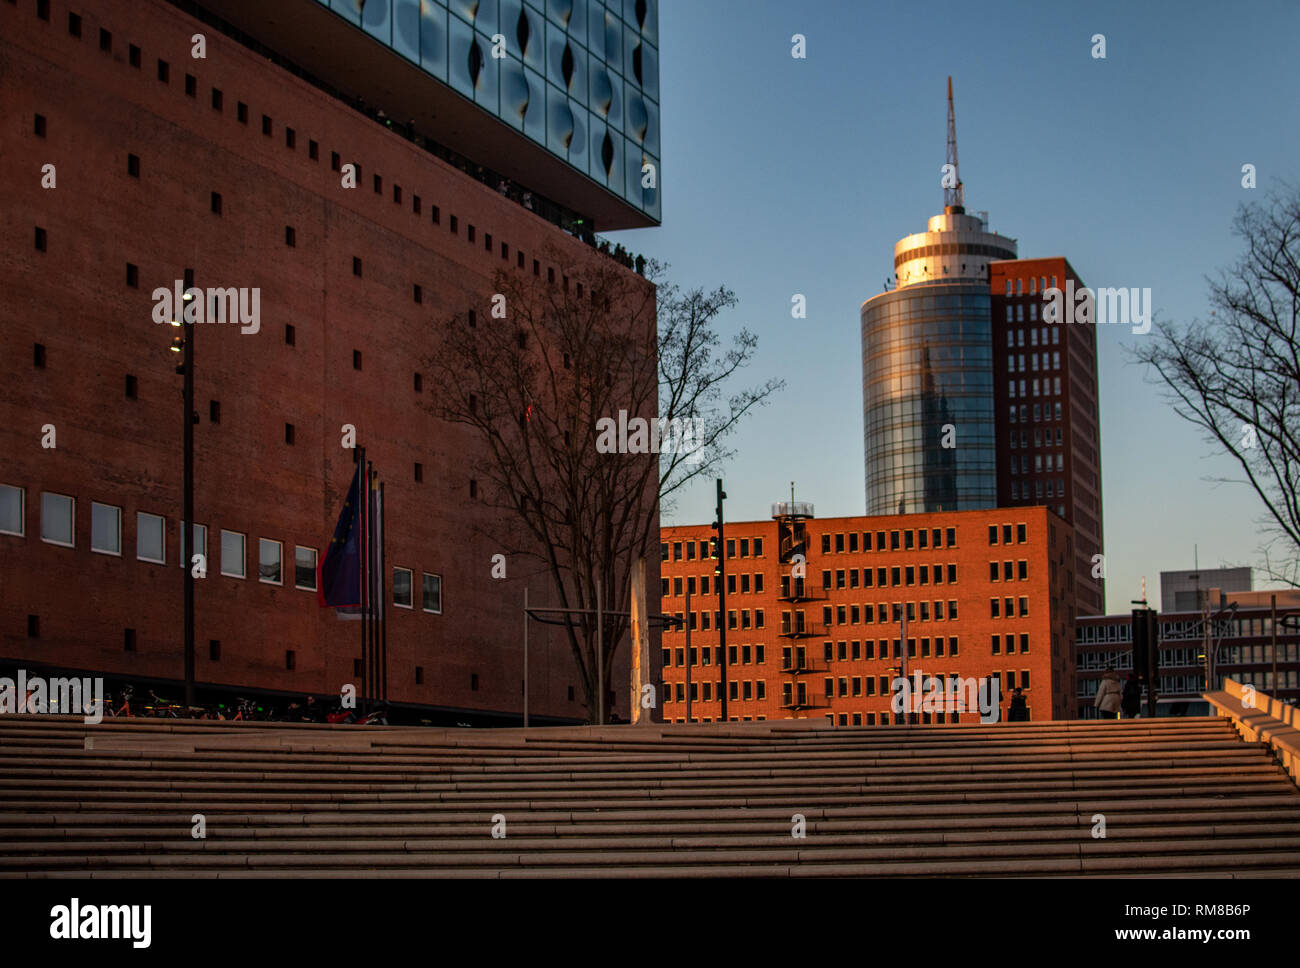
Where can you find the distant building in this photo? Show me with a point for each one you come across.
(1181, 591)
(1244, 639)
(986, 594)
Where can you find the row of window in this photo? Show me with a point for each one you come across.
(1035, 284)
(1004, 532)
(1041, 438)
(1049, 387)
(898, 575)
(797, 624)
(1042, 463)
(1009, 571)
(1016, 363)
(706, 691)
(58, 527)
(741, 582)
(904, 540)
(1006, 607)
(1016, 338)
(1007, 644)
(1043, 411)
(734, 545)
(709, 654)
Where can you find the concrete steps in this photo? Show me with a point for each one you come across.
(1180, 797)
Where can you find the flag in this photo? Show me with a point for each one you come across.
(338, 581)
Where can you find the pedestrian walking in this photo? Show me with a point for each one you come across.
(1109, 695)
(1131, 702)
(1019, 709)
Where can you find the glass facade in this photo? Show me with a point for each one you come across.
(927, 388)
(579, 77)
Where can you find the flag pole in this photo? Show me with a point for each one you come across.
(369, 656)
(362, 524)
(383, 597)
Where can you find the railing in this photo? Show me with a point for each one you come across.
(792, 509)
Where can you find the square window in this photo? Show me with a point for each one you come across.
(304, 568)
(74, 24)
(150, 537)
(13, 516)
(402, 587)
(290, 139)
(57, 511)
(270, 561)
(191, 85)
(313, 150)
(232, 554)
(266, 125)
(164, 71)
(217, 99)
(105, 40)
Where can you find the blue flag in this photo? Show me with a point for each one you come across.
(339, 579)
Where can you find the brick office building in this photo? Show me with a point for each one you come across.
(227, 168)
(987, 594)
(1243, 638)
(1048, 424)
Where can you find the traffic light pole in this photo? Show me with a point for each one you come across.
(720, 578)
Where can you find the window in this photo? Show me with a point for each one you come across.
(232, 554)
(74, 24)
(433, 593)
(41, 241)
(13, 518)
(150, 533)
(288, 334)
(288, 433)
(356, 266)
(402, 588)
(57, 512)
(216, 99)
(313, 150)
(216, 203)
(191, 85)
(356, 359)
(270, 556)
(164, 72)
(105, 529)
(290, 236)
(200, 535)
(266, 126)
(304, 568)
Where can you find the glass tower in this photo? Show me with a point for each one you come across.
(927, 372)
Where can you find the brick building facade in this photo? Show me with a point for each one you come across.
(229, 167)
(988, 593)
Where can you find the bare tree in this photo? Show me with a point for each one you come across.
(542, 373)
(1237, 375)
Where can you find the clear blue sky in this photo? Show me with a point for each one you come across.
(785, 176)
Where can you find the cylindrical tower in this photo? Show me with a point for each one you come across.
(927, 372)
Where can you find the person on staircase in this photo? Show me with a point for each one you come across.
(1018, 712)
(1109, 696)
(1131, 702)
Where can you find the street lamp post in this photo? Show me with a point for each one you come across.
(185, 344)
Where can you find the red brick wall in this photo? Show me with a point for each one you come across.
(73, 299)
(1047, 624)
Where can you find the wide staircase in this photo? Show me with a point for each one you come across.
(1177, 797)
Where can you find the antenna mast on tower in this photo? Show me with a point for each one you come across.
(954, 199)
